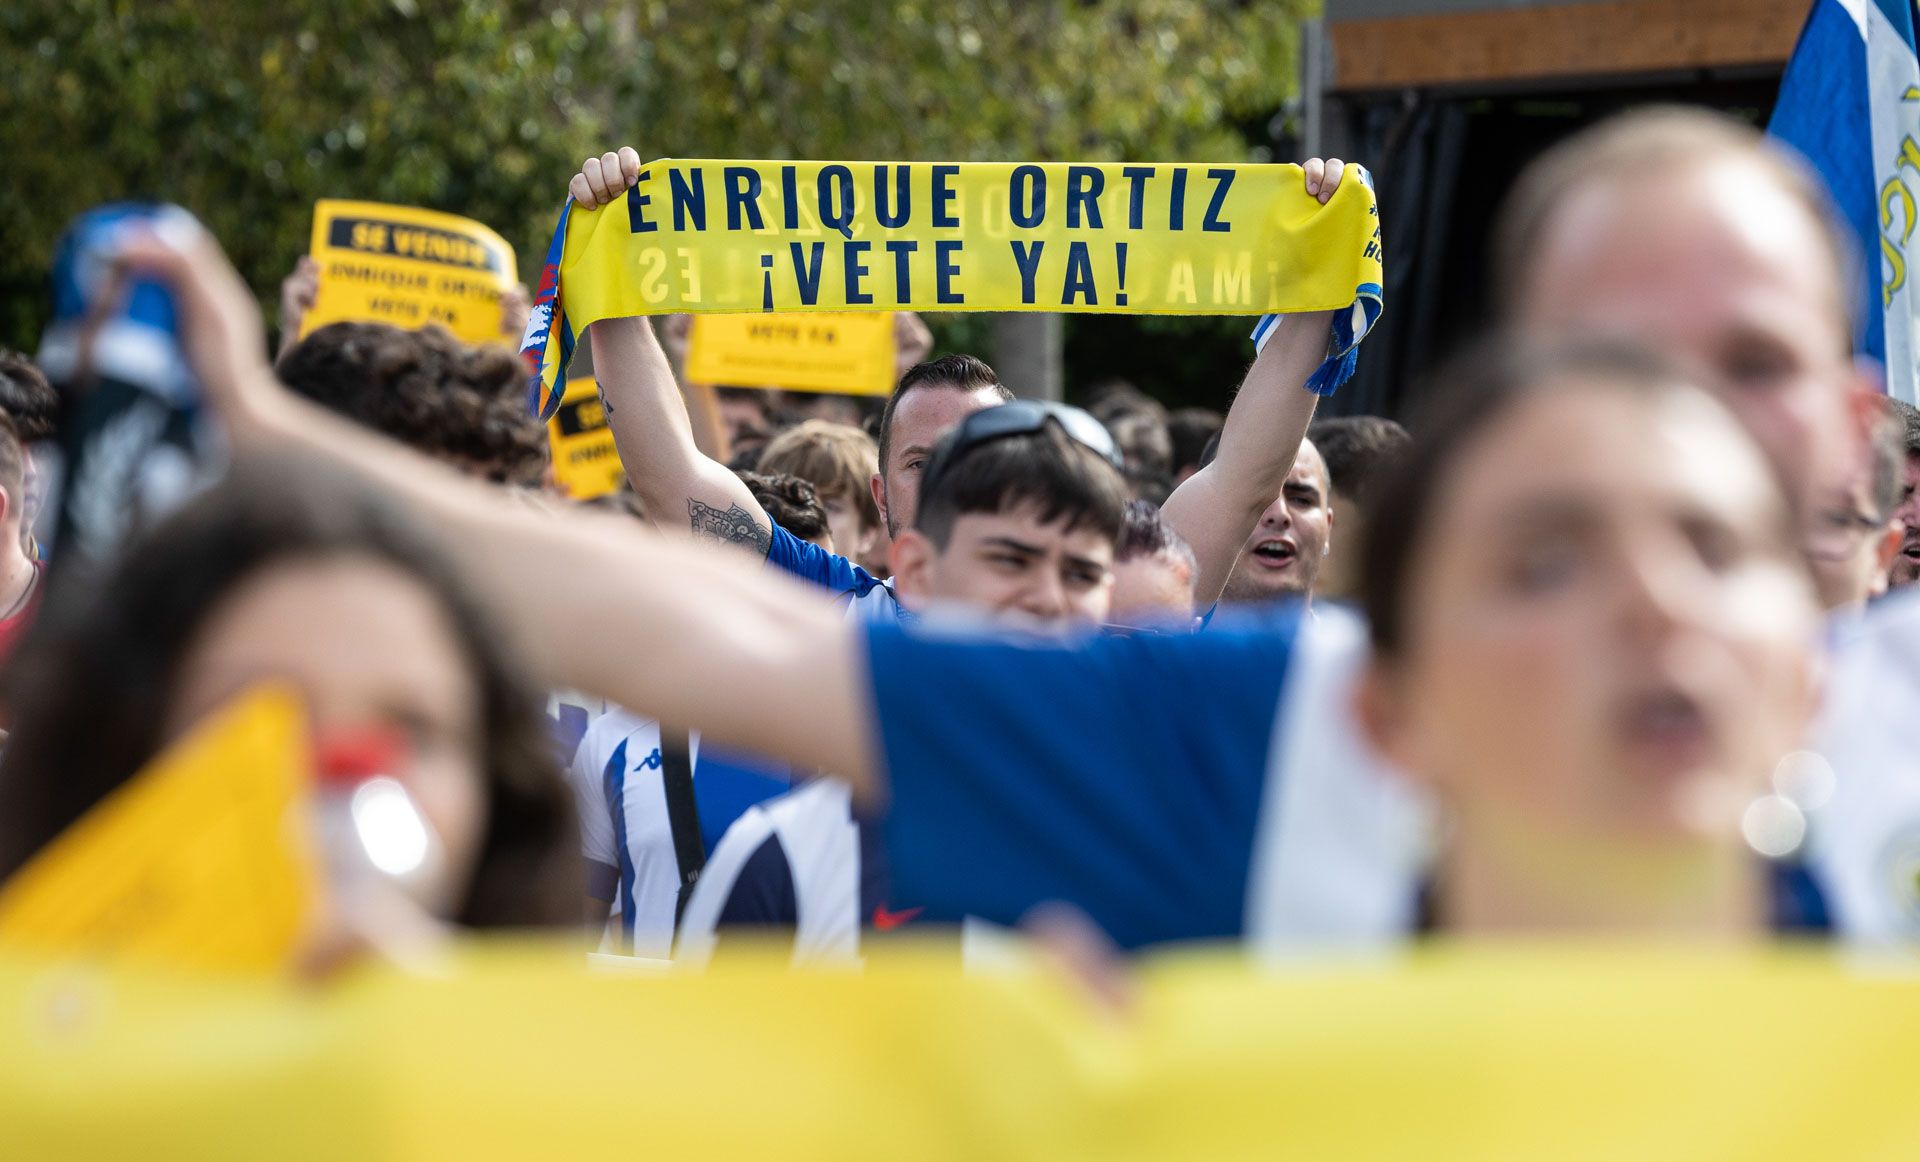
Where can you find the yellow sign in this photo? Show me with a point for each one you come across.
(747, 236)
(585, 460)
(200, 860)
(408, 267)
(806, 352)
(1487, 1053)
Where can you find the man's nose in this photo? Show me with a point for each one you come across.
(1045, 595)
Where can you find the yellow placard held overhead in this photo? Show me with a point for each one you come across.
(845, 352)
(585, 461)
(718, 237)
(201, 860)
(408, 267)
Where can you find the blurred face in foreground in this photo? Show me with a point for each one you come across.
(1718, 268)
(1608, 641)
(368, 648)
(1012, 566)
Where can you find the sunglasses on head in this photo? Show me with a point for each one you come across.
(1022, 417)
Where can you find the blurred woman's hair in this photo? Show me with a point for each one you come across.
(91, 689)
(1472, 394)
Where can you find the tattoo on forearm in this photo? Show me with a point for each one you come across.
(735, 526)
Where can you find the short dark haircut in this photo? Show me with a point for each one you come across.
(454, 401)
(1048, 470)
(790, 501)
(1190, 429)
(1144, 532)
(27, 398)
(131, 630)
(1357, 449)
(947, 373)
(1908, 418)
(1470, 396)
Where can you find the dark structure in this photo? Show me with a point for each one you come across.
(1449, 99)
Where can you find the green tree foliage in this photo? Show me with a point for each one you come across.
(247, 113)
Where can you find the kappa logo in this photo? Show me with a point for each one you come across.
(652, 762)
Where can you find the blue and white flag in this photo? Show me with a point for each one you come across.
(1850, 102)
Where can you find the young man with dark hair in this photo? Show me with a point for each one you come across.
(1022, 509)
(1358, 450)
(1906, 563)
(1286, 548)
(456, 402)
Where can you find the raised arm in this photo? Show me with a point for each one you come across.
(696, 638)
(1217, 507)
(675, 480)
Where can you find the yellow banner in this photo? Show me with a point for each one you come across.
(757, 236)
(201, 860)
(408, 267)
(1571, 1053)
(844, 352)
(585, 460)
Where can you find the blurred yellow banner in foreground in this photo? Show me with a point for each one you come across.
(1485, 1053)
(840, 352)
(197, 861)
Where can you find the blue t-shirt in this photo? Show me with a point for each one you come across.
(1124, 775)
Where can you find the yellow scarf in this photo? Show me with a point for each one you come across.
(738, 236)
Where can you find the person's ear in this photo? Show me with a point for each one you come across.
(879, 489)
(913, 559)
(869, 541)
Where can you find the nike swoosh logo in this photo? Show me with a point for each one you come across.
(887, 921)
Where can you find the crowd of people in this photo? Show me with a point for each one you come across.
(1578, 650)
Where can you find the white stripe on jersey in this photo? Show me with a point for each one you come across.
(1342, 841)
(648, 884)
(815, 829)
